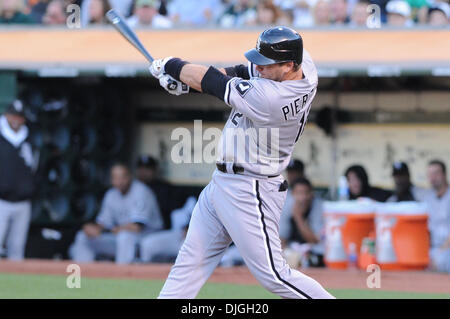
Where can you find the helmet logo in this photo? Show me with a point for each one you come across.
(258, 44)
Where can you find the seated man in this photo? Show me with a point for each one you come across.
(438, 201)
(304, 223)
(163, 246)
(404, 189)
(129, 211)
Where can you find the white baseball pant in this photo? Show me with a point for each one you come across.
(245, 210)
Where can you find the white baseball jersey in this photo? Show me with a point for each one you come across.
(266, 120)
(138, 205)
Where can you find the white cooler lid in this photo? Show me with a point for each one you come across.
(402, 208)
(364, 206)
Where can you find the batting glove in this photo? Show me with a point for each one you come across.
(157, 67)
(173, 86)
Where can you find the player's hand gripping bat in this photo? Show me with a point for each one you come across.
(119, 23)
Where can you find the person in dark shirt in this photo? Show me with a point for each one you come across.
(304, 222)
(147, 172)
(17, 184)
(358, 184)
(404, 189)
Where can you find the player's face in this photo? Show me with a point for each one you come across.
(437, 18)
(354, 183)
(15, 121)
(120, 178)
(303, 194)
(145, 174)
(275, 72)
(436, 176)
(292, 175)
(401, 182)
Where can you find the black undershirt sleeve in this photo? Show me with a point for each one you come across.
(214, 82)
(240, 71)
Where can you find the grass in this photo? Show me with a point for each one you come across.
(18, 286)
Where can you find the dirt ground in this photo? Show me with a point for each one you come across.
(409, 281)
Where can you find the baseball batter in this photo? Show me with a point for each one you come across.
(270, 101)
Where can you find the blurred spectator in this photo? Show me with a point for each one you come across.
(38, 10)
(129, 211)
(124, 7)
(163, 246)
(382, 5)
(146, 15)
(17, 184)
(338, 11)
(294, 171)
(303, 13)
(286, 9)
(304, 223)
(55, 14)
(12, 12)
(194, 12)
(238, 14)
(163, 8)
(360, 14)
(359, 187)
(398, 13)
(419, 9)
(322, 13)
(97, 11)
(147, 172)
(267, 13)
(439, 14)
(404, 189)
(438, 201)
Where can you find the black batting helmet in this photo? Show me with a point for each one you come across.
(277, 45)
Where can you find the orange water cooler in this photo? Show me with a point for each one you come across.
(402, 239)
(346, 224)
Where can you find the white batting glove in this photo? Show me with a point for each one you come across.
(157, 67)
(173, 86)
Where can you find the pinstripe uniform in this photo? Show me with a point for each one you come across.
(244, 200)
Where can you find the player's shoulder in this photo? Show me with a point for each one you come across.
(309, 69)
(138, 187)
(248, 89)
(111, 194)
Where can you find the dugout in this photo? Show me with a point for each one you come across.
(384, 95)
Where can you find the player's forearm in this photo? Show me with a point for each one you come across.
(192, 75)
(306, 232)
(133, 227)
(201, 78)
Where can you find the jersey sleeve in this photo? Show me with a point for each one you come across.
(248, 97)
(146, 211)
(252, 70)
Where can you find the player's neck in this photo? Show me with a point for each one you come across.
(295, 75)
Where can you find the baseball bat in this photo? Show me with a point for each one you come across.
(120, 25)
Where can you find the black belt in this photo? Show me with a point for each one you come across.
(223, 168)
(239, 169)
(236, 169)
